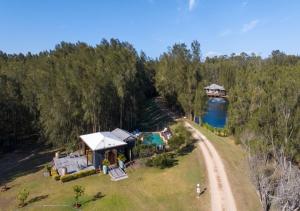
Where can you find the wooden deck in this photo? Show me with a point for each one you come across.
(73, 164)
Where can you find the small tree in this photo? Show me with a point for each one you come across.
(22, 196)
(78, 191)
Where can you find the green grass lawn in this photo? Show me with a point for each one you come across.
(234, 159)
(145, 189)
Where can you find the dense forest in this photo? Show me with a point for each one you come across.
(56, 95)
(73, 89)
(264, 94)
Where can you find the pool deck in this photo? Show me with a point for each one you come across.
(163, 138)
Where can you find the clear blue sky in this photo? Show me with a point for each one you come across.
(221, 26)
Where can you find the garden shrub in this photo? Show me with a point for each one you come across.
(122, 157)
(181, 137)
(149, 162)
(144, 150)
(105, 162)
(56, 177)
(53, 172)
(163, 160)
(77, 175)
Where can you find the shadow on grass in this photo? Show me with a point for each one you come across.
(202, 192)
(23, 162)
(36, 199)
(186, 150)
(171, 163)
(96, 197)
(5, 188)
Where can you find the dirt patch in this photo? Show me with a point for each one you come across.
(6, 202)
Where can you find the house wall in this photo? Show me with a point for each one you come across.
(98, 157)
(130, 143)
(128, 150)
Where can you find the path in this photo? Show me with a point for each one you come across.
(220, 191)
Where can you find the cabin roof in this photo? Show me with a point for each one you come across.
(102, 140)
(121, 134)
(215, 87)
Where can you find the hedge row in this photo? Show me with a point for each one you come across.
(77, 175)
(56, 177)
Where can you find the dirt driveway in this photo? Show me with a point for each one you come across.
(221, 194)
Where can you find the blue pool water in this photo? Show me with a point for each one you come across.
(153, 138)
(216, 113)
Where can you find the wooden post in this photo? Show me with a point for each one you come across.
(87, 160)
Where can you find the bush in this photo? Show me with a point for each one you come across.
(77, 175)
(149, 162)
(105, 162)
(47, 167)
(121, 157)
(53, 172)
(176, 141)
(56, 177)
(180, 137)
(22, 196)
(163, 160)
(144, 150)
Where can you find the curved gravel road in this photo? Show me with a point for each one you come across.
(220, 191)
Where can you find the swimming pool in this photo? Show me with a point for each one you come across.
(153, 138)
